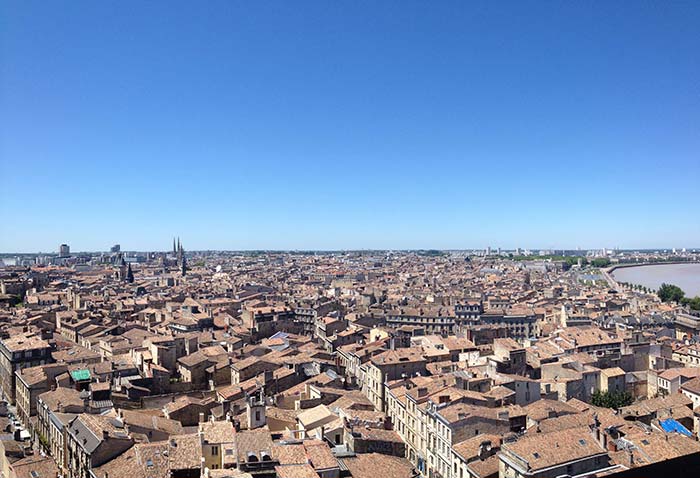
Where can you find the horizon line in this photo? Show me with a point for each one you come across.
(370, 249)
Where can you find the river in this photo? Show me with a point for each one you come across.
(685, 276)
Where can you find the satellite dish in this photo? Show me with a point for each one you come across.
(218, 268)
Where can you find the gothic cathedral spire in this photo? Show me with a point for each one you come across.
(129, 275)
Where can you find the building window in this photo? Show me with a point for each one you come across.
(215, 450)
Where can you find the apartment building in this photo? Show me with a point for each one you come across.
(476, 457)
(406, 402)
(93, 440)
(670, 381)
(691, 389)
(55, 410)
(308, 313)
(508, 357)
(468, 312)
(30, 383)
(449, 423)
(19, 352)
(434, 320)
(388, 366)
(570, 452)
(589, 340)
(218, 444)
(520, 324)
(264, 321)
(688, 354)
(431, 414)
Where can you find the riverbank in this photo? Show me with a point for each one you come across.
(610, 270)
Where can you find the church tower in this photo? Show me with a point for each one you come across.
(129, 275)
(563, 317)
(255, 410)
(122, 267)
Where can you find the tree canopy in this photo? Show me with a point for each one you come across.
(610, 399)
(670, 293)
(600, 262)
(693, 304)
(570, 260)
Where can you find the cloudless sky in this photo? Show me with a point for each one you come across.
(349, 124)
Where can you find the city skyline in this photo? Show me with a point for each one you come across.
(490, 249)
(394, 125)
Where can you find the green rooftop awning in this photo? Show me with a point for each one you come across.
(80, 375)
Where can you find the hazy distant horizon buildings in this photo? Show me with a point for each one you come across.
(64, 250)
(490, 250)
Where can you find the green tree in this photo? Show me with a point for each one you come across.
(610, 399)
(670, 293)
(693, 304)
(573, 260)
(600, 262)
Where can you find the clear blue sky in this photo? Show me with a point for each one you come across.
(324, 125)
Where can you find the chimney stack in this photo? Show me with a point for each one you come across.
(484, 449)
(387, 423)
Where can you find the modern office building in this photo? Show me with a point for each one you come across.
(64, 250)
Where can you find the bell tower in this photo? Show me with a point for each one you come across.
(255, 409)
